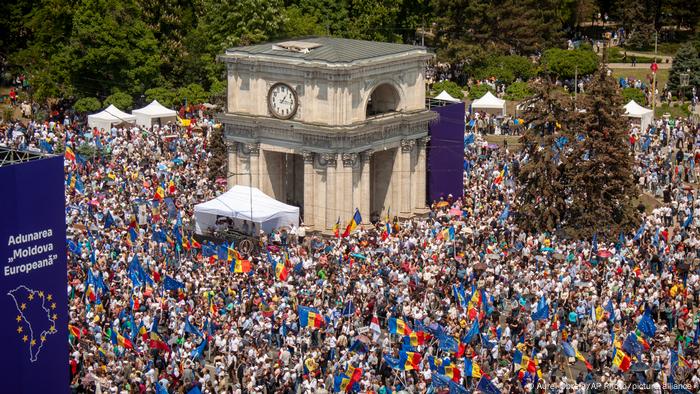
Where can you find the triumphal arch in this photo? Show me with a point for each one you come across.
(330, 125)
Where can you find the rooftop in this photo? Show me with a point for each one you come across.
(326, 49)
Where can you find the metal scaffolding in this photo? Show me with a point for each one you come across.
(12, 156)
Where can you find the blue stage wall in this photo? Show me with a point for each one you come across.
(446, 152)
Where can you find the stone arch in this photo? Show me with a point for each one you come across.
(384, 98)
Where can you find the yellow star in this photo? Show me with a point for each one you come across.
(43, 338)
(41, 294)
(52, 329)
(19, 329)
(25, 338)
(31, 296)
(19, 318)
(23, 306)
(53, 305)
(49, 297)
(54, 316)
(33, 342)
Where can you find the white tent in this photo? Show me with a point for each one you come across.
(645, 115)
(245, 204)
(489, 103)
(111, 115)
(444, 96)
(154, 113)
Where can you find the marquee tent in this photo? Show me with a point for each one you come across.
(636, 111)
(489, 103)
(154, 113)
(444, 96)
(111, 115)
(243, 203)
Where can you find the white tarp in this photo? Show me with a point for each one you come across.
(154, 113)
(489, 102)
(444, 96)
(266, 212)
(645, 115)
(109, 116)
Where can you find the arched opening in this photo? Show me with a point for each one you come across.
(385, 98)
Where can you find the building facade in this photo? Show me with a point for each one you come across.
(329, 125)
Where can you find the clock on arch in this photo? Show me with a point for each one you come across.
(282, 101)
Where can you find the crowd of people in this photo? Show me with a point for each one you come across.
(460, 300)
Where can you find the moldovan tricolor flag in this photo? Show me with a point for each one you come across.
(398, 326)
(310, 317)
(336, 229)
(69, 154)
(160, 194)
(354, 222)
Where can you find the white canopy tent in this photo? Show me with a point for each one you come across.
(489, 103)
(154, 113)
(444, 96)
(645, 115)
(109, 116)
(245, 204)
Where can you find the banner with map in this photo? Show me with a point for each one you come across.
(33, 299)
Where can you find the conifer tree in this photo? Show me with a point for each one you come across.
(218, 162)
(541, 199)
(602, 192)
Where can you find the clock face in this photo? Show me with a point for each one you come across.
(282, 101)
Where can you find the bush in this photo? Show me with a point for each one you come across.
(450, 87)
(633, 94)
(87, 104)
(121, 100)
(518, 91)
(478, 91)
(564, 62)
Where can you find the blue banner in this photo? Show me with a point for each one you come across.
(33, 299)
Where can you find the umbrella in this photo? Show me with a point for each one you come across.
(358, 256)
(442, 204)
(639, 367)
(604, 253)
(493, 256)
(455, 211)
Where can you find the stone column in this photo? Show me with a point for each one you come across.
(406, 176)
(232, 168)
(363, 189)
(309, 185)
(421, 174)
(350, 199)
(252, 178)
(332, 211)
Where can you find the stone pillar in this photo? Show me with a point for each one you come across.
(394, 199)
(252, 153)
(309, 184)
(332, 211)
(363, 185)
(405, 176)
(350, 199)
(421, 174)
(232, 168)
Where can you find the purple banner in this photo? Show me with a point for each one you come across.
(446, 152)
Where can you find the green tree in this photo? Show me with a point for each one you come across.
(110, 49)
(299, 24)
(541, 198)
(450, 87)
(602, 187)
(223, 24)
(192, 94)
(87, 104)
(121, 100)
(518, 91)
(633, 94)
(686, 61)
(163, 95)
(565, 63)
